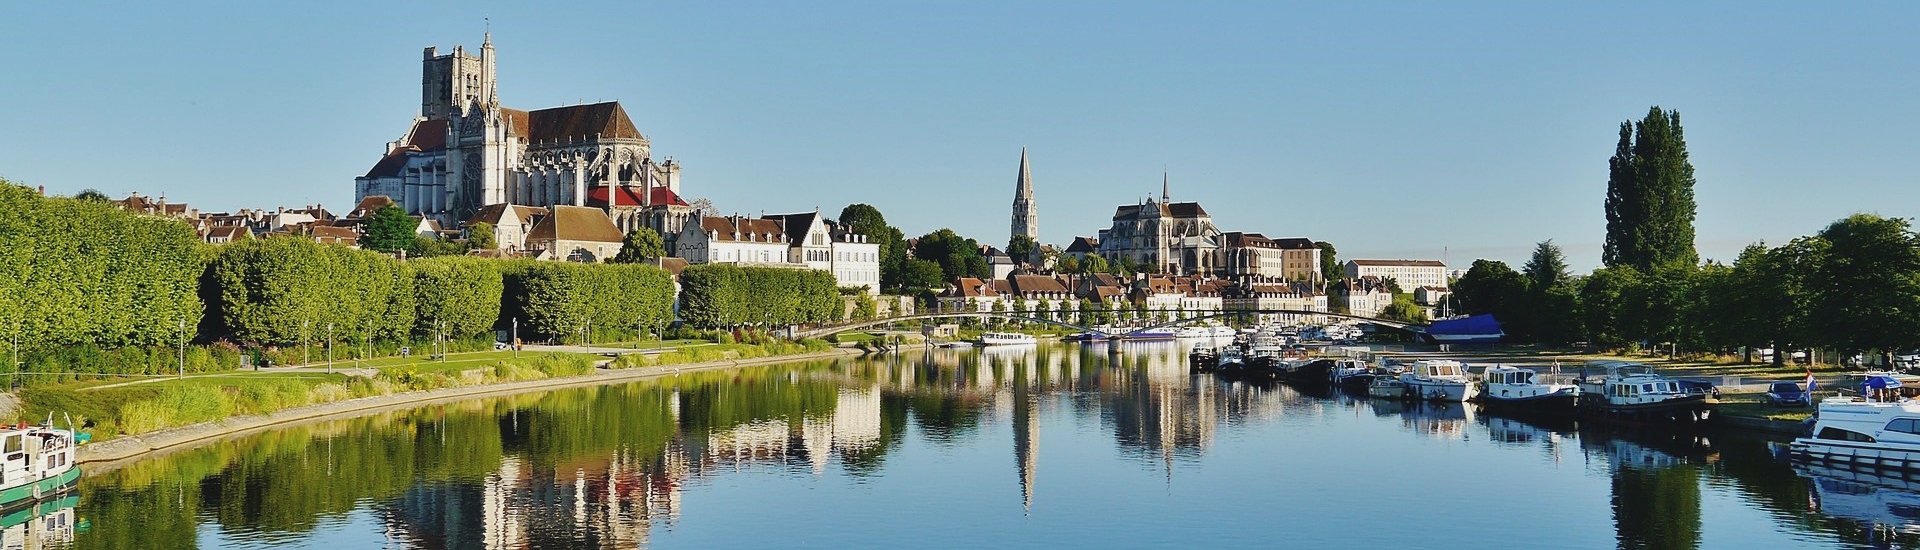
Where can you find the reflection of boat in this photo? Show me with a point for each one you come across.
(1007, 339)
(1437, 380)
(37, 461)
(42, 524)
(1509, 430)
(1202, 358)
(1632, 391)
(956, 344)
(1861, 433)
(1440, 418)
(1517, 390)
(1162, 333)
(1892, 502)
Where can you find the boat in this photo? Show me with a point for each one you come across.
(1634, 392)
(1231, 361)
(1518, 390)
(1437, 380)
(1387, 387)
(1007, 339)
(1160, 333)
(957, 344)
(1221, 332)
(1852, 432)
(1353, 375)
(1203, 358)
(1472, 329)
(1311, 371)
(1193, 333)
(38, 462)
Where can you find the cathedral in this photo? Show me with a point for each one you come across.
(466, 151)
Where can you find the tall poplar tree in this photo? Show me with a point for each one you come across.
(1649, 204)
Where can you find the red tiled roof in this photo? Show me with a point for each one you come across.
(429, 135)
(630, 196)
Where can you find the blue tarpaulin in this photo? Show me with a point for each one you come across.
(1476, 325)
(1880, 382)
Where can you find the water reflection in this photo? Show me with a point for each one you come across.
(612, 466)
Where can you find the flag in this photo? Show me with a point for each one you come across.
(1809, 380)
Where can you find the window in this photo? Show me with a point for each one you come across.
(13, 444)
(1837, 434)
(1904, 425)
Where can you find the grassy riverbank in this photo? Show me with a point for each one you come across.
(115, 407)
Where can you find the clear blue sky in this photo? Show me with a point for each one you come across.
(1392, 130)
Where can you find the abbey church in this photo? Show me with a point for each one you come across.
(466, 151)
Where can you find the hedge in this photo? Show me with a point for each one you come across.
(715, 295)
(557, 300)
(286, 290)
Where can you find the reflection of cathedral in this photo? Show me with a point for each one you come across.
(466, 150)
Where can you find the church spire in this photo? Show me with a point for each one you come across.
(1163, 187)
(1026, 221)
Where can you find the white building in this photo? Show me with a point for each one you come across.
(813, 241)
(1409, 274)
(1365, 297)
(733, 240)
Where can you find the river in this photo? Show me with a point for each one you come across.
(1006, 448)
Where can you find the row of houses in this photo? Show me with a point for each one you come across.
(1164, 296)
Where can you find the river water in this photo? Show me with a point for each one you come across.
(1006, 448)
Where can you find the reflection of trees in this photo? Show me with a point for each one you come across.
(1656, 486)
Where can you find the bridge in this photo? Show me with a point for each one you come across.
(1197, 316)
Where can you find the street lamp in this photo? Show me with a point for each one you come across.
(183, 347)
(329, 348)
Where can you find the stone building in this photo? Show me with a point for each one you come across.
(1244, 255)
(466, 150)
(575, 234)
(1409, 274)
(1165, 237)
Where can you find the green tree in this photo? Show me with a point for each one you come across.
(1393, 286)
(1094, 264)
(1403, 309)
(1491, 287)
(1650, 204)
(91, 195)
(957, 256)
(1603, 302)
(389, 230)
(1866, 289)
(1548, 266)
(923, 275)
(864, 308)
(1022, 249)
(1067, 264)
(429, 247)
(642, 244)
(480, 237)
(1553, 315)
(1330, 269)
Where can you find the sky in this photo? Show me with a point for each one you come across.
(1392, 130)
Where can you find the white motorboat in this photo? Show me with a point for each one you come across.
(1437, 380)
(1854, 432)
(38, 462)
(1387, 387)
(1007, 339)
(1221, 332)
(1193, 333)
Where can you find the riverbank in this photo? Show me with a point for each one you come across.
(108, 455)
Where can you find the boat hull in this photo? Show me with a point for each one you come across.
(1425, 390)
(1857, 455)
(28, 492)
(1560, 403)
(1684, 409)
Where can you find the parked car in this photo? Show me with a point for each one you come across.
(1787, 394)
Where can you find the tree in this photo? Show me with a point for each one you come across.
(389, 229)
(1547, 268)
(91, 195)
(1602, 300)
(1329, 262)
(642, 244)
(956, 255)
(923, 275)
(1393, 286)
(1491, 287)
(1649, 205)
(429, 247)
(1067, 264)
(480, 237)
(1403, 309)
(703, 206)
(1022, 248)
(1866, 288)
(1094, 264)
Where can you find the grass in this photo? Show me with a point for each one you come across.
(117, 410)
(1754, 408)
(719, 352)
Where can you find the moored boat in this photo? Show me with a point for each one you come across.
(38, 462)
(1162, 333)
(1231, 361)
(1858, 433)
(1203, 358)
(1007, 339)
(1437, 380)
(1634, 392)
(1353, 375)
(1387, 387)
(1518, 390)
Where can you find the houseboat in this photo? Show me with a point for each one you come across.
(1203, 358)
(37, 462)
(1231, 361)
(1634, 392)
(1353, 375)
(1387, 387)
(1437, 380)
(1518, 390)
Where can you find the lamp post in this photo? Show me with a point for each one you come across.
(516, 337)
(329, 348)
(183, 348)
(306, 341)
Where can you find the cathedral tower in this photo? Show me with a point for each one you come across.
(1025, 220)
